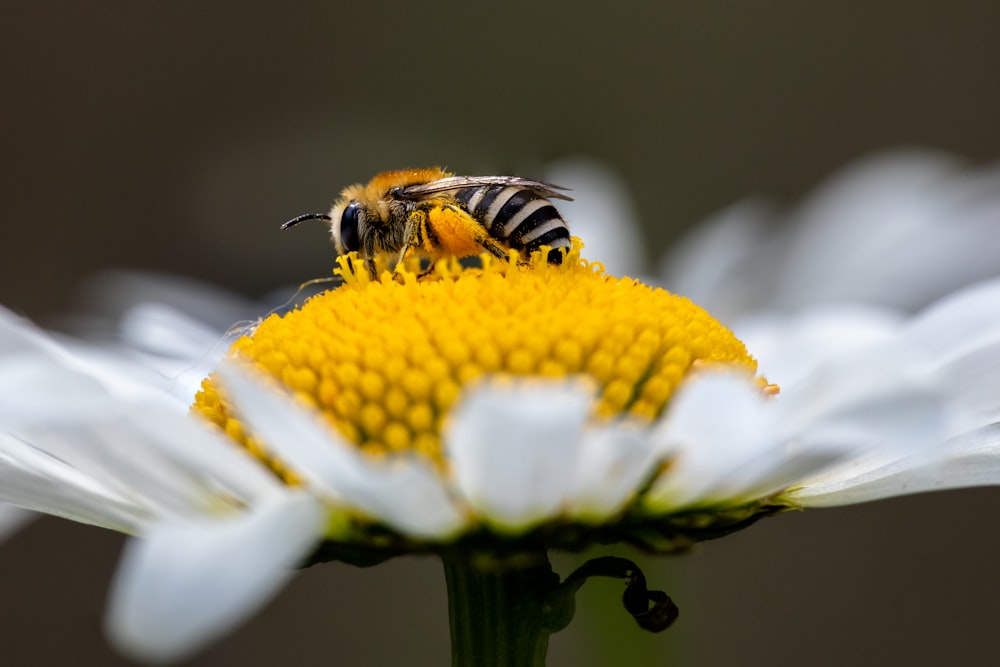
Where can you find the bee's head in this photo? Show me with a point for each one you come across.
(345, 220)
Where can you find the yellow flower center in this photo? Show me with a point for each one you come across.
(385, 361)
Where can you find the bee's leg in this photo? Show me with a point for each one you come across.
(494, 249)
(413, 238)
(370, 256)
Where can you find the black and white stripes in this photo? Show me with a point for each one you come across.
(517, 216)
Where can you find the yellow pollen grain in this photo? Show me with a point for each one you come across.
(385, 361)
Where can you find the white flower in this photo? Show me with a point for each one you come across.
(903, 404)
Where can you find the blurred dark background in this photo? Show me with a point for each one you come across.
(176, 136)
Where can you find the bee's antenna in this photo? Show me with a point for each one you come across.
(303, 218)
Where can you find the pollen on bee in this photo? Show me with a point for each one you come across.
(457, 233)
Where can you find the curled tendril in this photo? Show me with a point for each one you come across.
(652, 610)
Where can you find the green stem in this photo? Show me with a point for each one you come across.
(499, 617)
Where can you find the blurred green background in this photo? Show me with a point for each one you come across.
(176, 136)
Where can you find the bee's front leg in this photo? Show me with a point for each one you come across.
(370, 257)
(413, 240)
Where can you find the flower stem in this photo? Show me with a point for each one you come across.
(500, 616)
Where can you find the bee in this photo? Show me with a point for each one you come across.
(434, 214)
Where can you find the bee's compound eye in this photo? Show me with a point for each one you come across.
(349, 228)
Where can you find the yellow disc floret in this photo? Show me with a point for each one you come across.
(385, 360)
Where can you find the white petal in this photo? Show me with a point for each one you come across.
(116, 455)
(153, 457)
(879, 392)
(969, 460)
(514, 446)
(19, 336)
(790, 347)
(876, 412)
(38, 390)
(39, 380)
(613, 464)
(26, 350)
(970, 374)
(287, 426)
(35, 480)
(714, 425)
(775, 470)
(165, 332)
(188, 583)
(201, 452)
(404, 493)
(898, 229)
(407, 495)
(180, 348)
(718, 264)
(730, 445)
(863, 235)
(966, 316)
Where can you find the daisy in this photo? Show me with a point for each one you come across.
(486, 415)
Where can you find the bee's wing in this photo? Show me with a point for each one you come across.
(421, 190)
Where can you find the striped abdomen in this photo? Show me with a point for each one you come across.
(516, 216)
